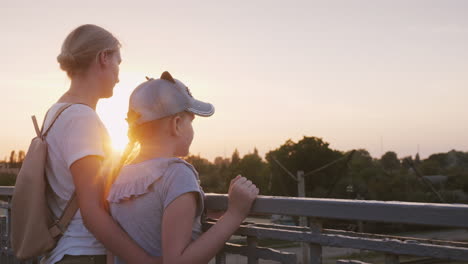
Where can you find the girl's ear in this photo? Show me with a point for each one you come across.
(176, 125)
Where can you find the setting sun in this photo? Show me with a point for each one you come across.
(113, 111)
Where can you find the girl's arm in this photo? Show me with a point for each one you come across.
(89, 185)
(178, 221)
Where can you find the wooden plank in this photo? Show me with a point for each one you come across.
(350, 261)
(453, 215)
(366, 235)
(406, 239)
(262, 253)
(390, 246)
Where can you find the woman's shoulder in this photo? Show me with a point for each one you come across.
(72, 112)
(81, 110)
(74, 117)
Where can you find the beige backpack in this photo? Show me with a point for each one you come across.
(34, 229)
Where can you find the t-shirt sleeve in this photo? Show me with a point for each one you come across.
(180, 179)
(84, 136)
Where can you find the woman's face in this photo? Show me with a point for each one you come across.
(111, 73)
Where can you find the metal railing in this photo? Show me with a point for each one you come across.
(314, 236)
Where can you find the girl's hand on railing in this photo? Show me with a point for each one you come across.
(242, 193)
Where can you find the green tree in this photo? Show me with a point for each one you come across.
(307, 154)
(12, 159)
(255, 169)
(235, 157)
(390, 161)
(209, 179)
(21, 156)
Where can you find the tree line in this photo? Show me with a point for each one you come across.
(15, 160)
(350, 174)
(344, 174)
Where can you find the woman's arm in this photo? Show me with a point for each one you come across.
(109, 258)
(178, 221)
(89, 186)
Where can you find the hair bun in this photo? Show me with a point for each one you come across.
(67, 61)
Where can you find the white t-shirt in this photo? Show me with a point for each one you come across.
(78, 132)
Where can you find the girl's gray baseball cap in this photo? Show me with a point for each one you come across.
(158, 98)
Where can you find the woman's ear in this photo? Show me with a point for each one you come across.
(104, 58)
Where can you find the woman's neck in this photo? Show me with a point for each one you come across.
(83, 91)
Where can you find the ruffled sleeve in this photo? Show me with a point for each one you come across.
(135, 180)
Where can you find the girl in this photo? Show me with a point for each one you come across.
(157, 198)
(78, 144)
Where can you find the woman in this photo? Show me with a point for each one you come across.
(78, 144)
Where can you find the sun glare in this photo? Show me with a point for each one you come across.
(118, 142)
(113, 111)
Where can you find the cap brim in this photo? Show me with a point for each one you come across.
(201, 108)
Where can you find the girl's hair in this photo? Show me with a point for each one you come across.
(83, 45)
(135, 134)
(130, 151)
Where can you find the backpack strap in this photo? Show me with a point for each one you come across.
(57, 114)
(60, 226)
(36, 127)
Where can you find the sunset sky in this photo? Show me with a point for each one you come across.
(379, 75)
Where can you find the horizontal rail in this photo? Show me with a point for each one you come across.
(6, 190)
(390, 246)
(451, 215)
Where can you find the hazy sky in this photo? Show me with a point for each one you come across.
(379, 75)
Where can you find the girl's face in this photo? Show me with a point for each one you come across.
(111, 72)
(186, 134)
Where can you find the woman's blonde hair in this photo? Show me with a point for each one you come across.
(82, 46)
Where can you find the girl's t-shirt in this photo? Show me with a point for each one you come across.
(142, 191)
(78, 132)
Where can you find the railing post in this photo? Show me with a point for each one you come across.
(3, 238)
(252, 243)
(315, 250)
(392, 259)
(221, 257)
(8, 223)
(302, 219)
